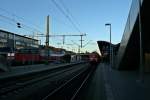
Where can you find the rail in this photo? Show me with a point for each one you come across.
(71, 88)
(14, 86)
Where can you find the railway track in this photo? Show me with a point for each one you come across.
(27, 87)
(70, 89)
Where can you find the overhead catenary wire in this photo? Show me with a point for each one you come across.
(87, 43)
(18, 20)
(23, 26)
(5, 21)
(18, 17)
(66, 15)
(52, 12)
(13, 22)
(69, 13)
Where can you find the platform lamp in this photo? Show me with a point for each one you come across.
(141, 68)
(110, 48)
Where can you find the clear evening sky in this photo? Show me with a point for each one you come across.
(88, 16)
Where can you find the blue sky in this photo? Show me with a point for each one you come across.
(89, 16)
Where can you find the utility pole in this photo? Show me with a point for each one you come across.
(14, 42)
(63, 39)
(110, 48)
(141, 68)
(47, 32)
(47, 38)
(78, 49)
(81, 39)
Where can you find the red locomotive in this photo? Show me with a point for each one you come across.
(94, 58)
(32, 56)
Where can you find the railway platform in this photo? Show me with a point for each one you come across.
(111, 84)
(125, 85)
(94, 89)
(22, 70)
(119, 85)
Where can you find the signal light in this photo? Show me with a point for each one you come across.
(18, 25)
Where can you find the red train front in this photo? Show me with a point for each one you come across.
(94, 58)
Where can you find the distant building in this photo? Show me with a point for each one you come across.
(104, 47)
(15, 41)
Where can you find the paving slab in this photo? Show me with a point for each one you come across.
(125, 85)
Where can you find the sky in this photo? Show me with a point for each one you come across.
(67, 17)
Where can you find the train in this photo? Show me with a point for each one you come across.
(94, 58)
(26, 56)
(32, 56)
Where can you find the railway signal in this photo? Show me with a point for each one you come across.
(18, 25)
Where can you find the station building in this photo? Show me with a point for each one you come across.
(15, 41)
(104, 48)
